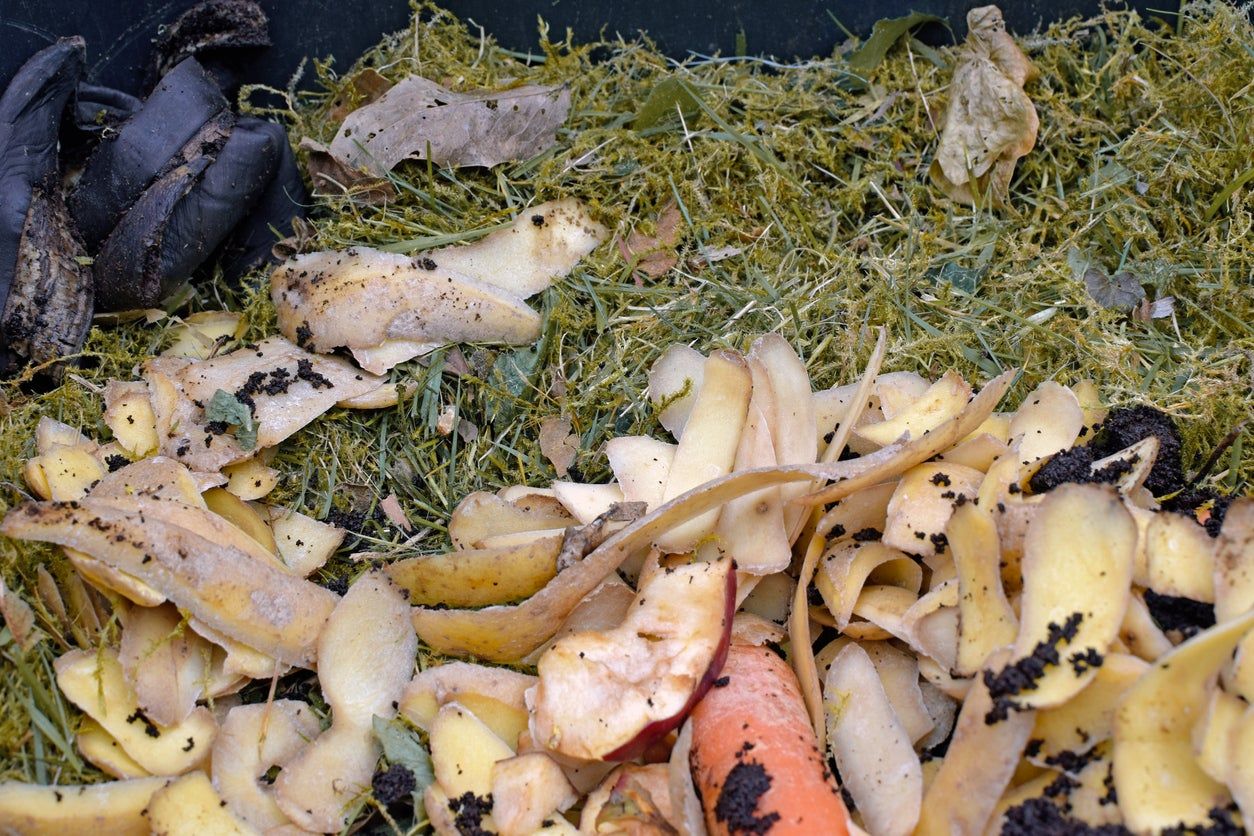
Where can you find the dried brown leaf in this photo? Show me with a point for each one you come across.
(391, 507)
(558, 444)
(330, 176)
(419, 118)
(363, 88)
(18, 617)
(654, 255)
(990, 122)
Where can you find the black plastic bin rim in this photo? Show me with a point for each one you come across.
(119, 35)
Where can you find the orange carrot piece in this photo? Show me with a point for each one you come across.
(755, 758)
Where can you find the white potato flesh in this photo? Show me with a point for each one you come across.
(304, 544)
(482, 515)
(1238, 675)
(601, 609)
(943, 400)
(129, 414)
(190, 806)
(849, 566)
(978, 766)
(899, 674)
(868, 508)
(1048, 420)
(382, 357)
(923, 502)
(707, 448)
(166, 663)
(311, 384)
(250, 479)
(200, 334)
(1159, 782)
(771, 597)
(1077, 571)
(526, 790)
(51, 433)
(1241, 765)
(365, 658)
(1087, 718)
(898, 390)
(494, 695)
(103, 751)
(544, 243)
(587, 502)
(366, 651)
(875, 754)
(1234, 561)
(751, 529)
(95, 683)
(254, 738)
(1139, 634)
(1216, 733)
(463, 751)
(64, 473)
(114, 807)
(361, 297)
(674, 380)
(1180, 558)
(977, 452)
(987, 621)
(239, 659)
(644, 674)
(641, 466)
(883, 607)
(793, 423)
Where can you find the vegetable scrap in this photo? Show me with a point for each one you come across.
(386, 547)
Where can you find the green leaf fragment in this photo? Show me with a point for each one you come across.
(884, 34)
(225, 408)
(402, 746)
(669, 96)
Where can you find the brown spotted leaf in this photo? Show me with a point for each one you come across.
(418, 118)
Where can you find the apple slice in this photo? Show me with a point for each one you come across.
(638, 681)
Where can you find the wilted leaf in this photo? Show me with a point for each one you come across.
(1157, 309)
(18, 617)
(884, 34)
(391, 507)
(654, 255)
(402, 746)
(990, 122)
(225, 408)
(558, 444)
(330, 176)
(1121, 291)
(419, 118)
(669, 97)
(363, 88)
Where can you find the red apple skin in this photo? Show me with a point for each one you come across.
(658, 729)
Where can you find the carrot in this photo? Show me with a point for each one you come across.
(755, 758)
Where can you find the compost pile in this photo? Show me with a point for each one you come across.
(625, 445)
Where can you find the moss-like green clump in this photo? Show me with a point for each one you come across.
(807, 210)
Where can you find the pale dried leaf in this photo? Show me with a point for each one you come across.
(18, 617)
(419, 118)
(990, 122)
(558, 444)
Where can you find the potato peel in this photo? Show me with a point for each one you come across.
(1159, 782)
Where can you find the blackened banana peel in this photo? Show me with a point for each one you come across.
(45, 289)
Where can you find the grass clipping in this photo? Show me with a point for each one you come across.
(792, 198)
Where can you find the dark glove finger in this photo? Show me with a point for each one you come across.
(124, 165)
